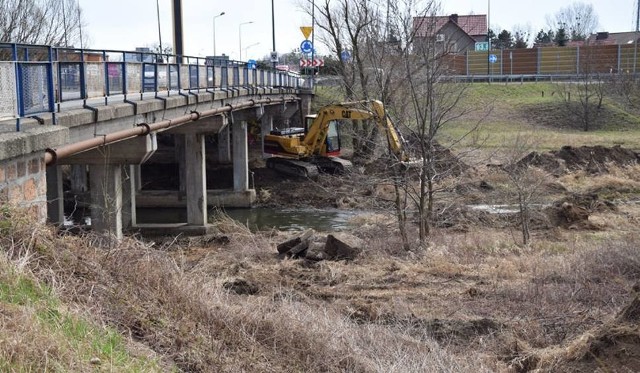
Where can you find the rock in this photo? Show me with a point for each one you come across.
(342, 246)
(95, 361)
(241, 287)
(286, 246)
(485, 186)
(316, 250)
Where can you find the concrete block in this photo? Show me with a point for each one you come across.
(175, 101)
(148, 106)
(122, 110)
(105, 113)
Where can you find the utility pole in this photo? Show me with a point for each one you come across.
(635, 42)
(177, 28)
(273, 32)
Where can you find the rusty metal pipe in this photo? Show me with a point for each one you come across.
(52, 155)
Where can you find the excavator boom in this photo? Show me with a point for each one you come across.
(295, 148)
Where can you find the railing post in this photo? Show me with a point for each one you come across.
(50, 85)
(19, 101)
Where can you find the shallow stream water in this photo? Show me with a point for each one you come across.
(262, 218)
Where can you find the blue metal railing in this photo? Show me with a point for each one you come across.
(41, 78)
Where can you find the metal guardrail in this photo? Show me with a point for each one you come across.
(37, 79)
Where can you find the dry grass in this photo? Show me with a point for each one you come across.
(470, 300)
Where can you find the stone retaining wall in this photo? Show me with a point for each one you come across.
(23, 183)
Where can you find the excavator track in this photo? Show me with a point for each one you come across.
(332, 165)
(293, 167)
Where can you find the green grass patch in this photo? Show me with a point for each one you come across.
(40, 334)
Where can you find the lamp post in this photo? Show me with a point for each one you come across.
(214, 31)
(249, 46)
(240, 37)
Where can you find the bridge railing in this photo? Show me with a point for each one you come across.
(36, 79)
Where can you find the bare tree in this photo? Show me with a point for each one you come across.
(578, 19)
(433, 100)
(358, 28)
(526, 182)
(588, 90)
(47, 22)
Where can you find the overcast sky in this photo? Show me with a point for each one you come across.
(126, 24)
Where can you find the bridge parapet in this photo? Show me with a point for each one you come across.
(36, 79)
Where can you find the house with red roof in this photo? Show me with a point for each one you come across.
(456, 33)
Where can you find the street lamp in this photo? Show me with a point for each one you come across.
(240, 36)
(214, 31)
(247, 48)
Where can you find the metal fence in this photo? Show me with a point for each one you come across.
(36, 79)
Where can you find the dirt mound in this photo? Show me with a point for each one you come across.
(546, 161)
(594, 159)
(446, 163)
(590, 157)
(613, 347)
(573, 211)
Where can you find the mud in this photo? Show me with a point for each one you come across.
(594, 159)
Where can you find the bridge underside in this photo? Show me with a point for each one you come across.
(163, 170)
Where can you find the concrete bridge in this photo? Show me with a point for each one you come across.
(89, 119)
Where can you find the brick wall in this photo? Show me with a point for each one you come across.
(23, 183)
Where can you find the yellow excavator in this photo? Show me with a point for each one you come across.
(305, 151)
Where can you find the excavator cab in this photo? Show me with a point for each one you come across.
(332, 142)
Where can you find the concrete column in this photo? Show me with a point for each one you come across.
(224, 146)
(128, 196)
(180, 154)
(137, 175)
(55, 196)
(78, 178)
(106, 198)
(266, 125)
(240, 157)
(196, 179)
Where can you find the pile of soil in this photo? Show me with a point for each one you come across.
(594, 159)
(572, 212)
(446, 162)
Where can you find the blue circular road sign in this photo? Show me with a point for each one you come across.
(345, 55)
(493, 58)
(306, 46)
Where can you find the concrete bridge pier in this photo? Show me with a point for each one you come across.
(112, 185)
(106, 198)
(55, 195)
(240, 157)
(196, 178)
(224, 142)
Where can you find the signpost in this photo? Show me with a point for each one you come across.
(306, 31)
(316, 62)
(306, 46)
(482, 46)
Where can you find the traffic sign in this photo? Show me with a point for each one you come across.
(307, 62)
(493, 58)
(306, 31)
(482, 46)
(252, 64)
(274, 56)
(345, 55)
(306, 46)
